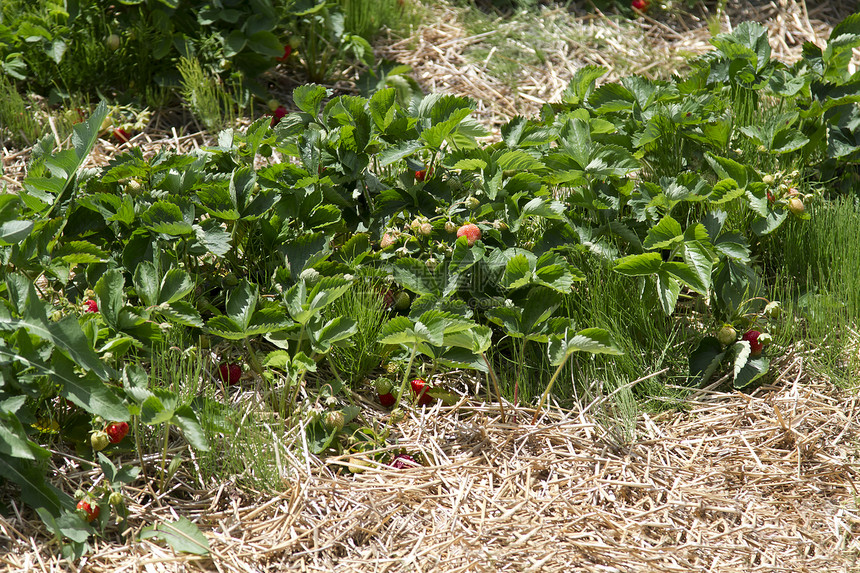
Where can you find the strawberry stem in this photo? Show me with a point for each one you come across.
(548, 388)
(406, 376)
(496, 385)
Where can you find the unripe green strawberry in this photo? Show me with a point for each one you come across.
(112, 42)
(727, 335)
(431, 264)
(99, 440)
(450, 226)
(473, 203)
(334, 420)
(115, 498)
(402, 301)
(425, 229)
(415, 225)
(500, 225)
(133, 186)
(273, 104)
(773, 310)
(383, 385)
(796, 206)
(768, 179)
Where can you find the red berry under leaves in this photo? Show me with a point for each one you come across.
(387, 400)
(230, 373)
(91, 306)
(121, 135)
(471, 232)
(288, 49)
(88, 511)
(756, 346)
(403, 461)
(278, 114)
(421, 389)
(116, 431)
(640, 5)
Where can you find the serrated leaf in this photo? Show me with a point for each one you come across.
(668, 290)
(181, 312)
(705, 359)
(639, 265)
(664, 235)
(309, 97)
(186, 419)
(79, 252)
(181, 535)
(592, 340)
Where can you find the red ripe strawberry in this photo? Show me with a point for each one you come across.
(403, 461)
(420, 388)
(770, 197)
(230, 373)
(756, 346)
(288, 49)
(423, 174)
(116, 431)
(387, 400)
(121, 135)
(471, 232)
(388, 298)
(87, 510)
(640, 5)
(91, 306)
(278, 114)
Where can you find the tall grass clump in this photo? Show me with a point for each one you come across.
(17, 121)
(820, 276)
(205, 95)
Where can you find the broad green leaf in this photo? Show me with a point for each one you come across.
(309, 97)
(664, 235)
(175, 285)
(668, 290)
(35, 490)
(79, 252)
(181, 535)
(67, 336)
(166, 217)
(186, 419)
(639, 265)
(593, 340)
(705, 359)
(146, 283)
(14, 441)
(477, 340)
(110, 292)
(181, 312)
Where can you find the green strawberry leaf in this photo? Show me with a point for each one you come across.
(181, 535)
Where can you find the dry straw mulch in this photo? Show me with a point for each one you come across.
(738, 482)
(653, 45)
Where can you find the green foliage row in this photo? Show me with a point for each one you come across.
(674, 185)
(133, 48)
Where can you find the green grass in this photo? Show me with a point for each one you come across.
(205, 95)
(355, 360)
(18, 122)
(369, 19)
(818, 277)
